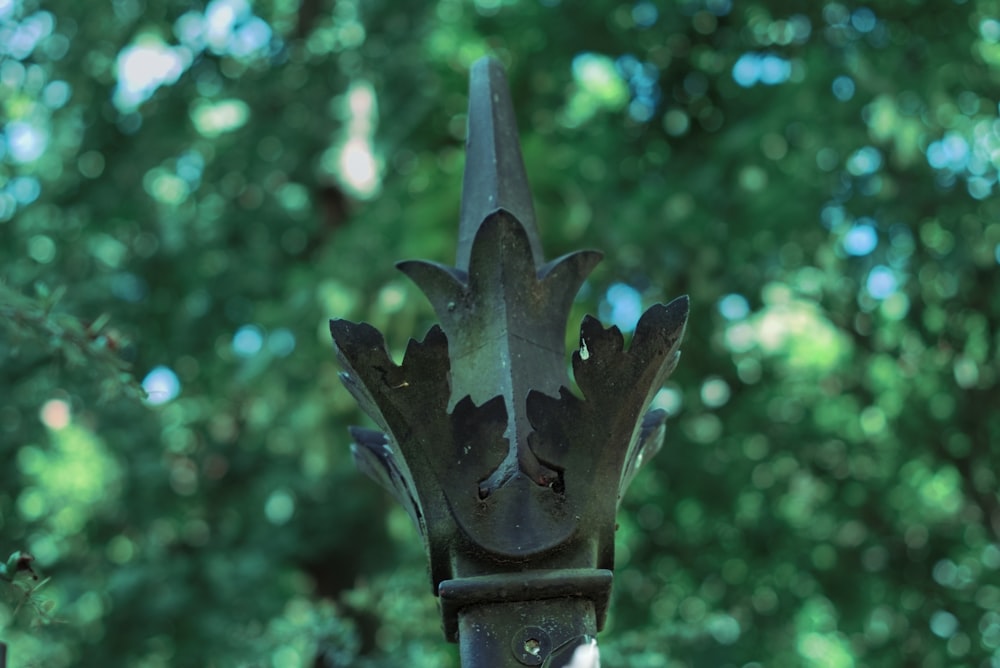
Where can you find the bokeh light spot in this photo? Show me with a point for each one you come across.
(746, 71)
(843, 88)
(600, 83)
(145, 66)
(56, 94)
(980, 188)
(734, 307)
(248, 341)
(622, 306)
(753, 178)
(866, 160)
(41, 248)
(944, 624)
(357, 165)
(280, 507)
(860, 240)
(161, 385)
(281, 342)
(91, 164)
(826, 159)
(286, 656)
(863, 19)
(881, 282)
(120, 550)
(774, 69)
(989, 28)
(715, 392)
(645, 14)
(676, 122)
(991, 556)
(25, 142)
(951, 152)
(212, 119)
(668, 399)
(165, 187)
(754, 67)
(825, 650)
(55, 414)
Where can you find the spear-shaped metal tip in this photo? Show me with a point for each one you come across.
(494, 169)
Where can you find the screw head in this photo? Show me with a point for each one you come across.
(531, 645)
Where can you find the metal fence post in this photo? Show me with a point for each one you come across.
(512, 480)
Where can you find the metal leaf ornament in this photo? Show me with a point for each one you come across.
(506, 472)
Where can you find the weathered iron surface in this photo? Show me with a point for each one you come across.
(512, 479)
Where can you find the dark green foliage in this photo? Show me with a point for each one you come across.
(827, 495)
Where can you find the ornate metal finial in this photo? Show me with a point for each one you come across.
(512, 480)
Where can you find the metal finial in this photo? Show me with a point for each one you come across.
(512, 479)
(495, 177)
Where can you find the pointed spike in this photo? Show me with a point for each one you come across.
(494, 169)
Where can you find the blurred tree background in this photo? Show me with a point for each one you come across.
(188, 191)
